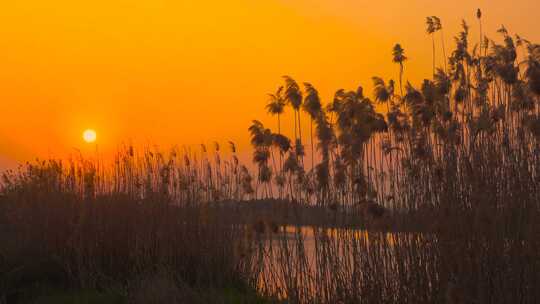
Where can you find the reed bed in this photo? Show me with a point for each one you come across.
(427, 194)
(79, 224)
(453, 166)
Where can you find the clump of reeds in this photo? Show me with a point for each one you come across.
(78, 224)
(455, 163)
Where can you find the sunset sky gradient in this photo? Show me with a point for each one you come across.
(184, 72)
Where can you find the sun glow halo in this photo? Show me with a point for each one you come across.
(89, 136)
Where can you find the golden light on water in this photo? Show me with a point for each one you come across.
(89, 136)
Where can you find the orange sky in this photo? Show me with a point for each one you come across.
(186, 72)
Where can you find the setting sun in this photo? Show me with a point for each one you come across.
(89, 136)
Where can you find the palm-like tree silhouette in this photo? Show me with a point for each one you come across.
(335, 106)
(437, 24)
(357, 121)
(431, 29)
(261, 139)
(312, 106)
(276, 105)
(382, 92)
(399, 57)
(434, 25)
(283, 144)
(293, 96)
(533, 69)
(479, 17)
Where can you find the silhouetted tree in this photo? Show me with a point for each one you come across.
(312, 106)
(431, 29)
(399, 58)
(276, 105)
(293, 96)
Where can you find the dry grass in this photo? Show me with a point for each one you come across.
(97, 230)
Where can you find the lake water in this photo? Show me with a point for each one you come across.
(320, 263)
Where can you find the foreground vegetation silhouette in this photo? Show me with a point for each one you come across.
(426, 194)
